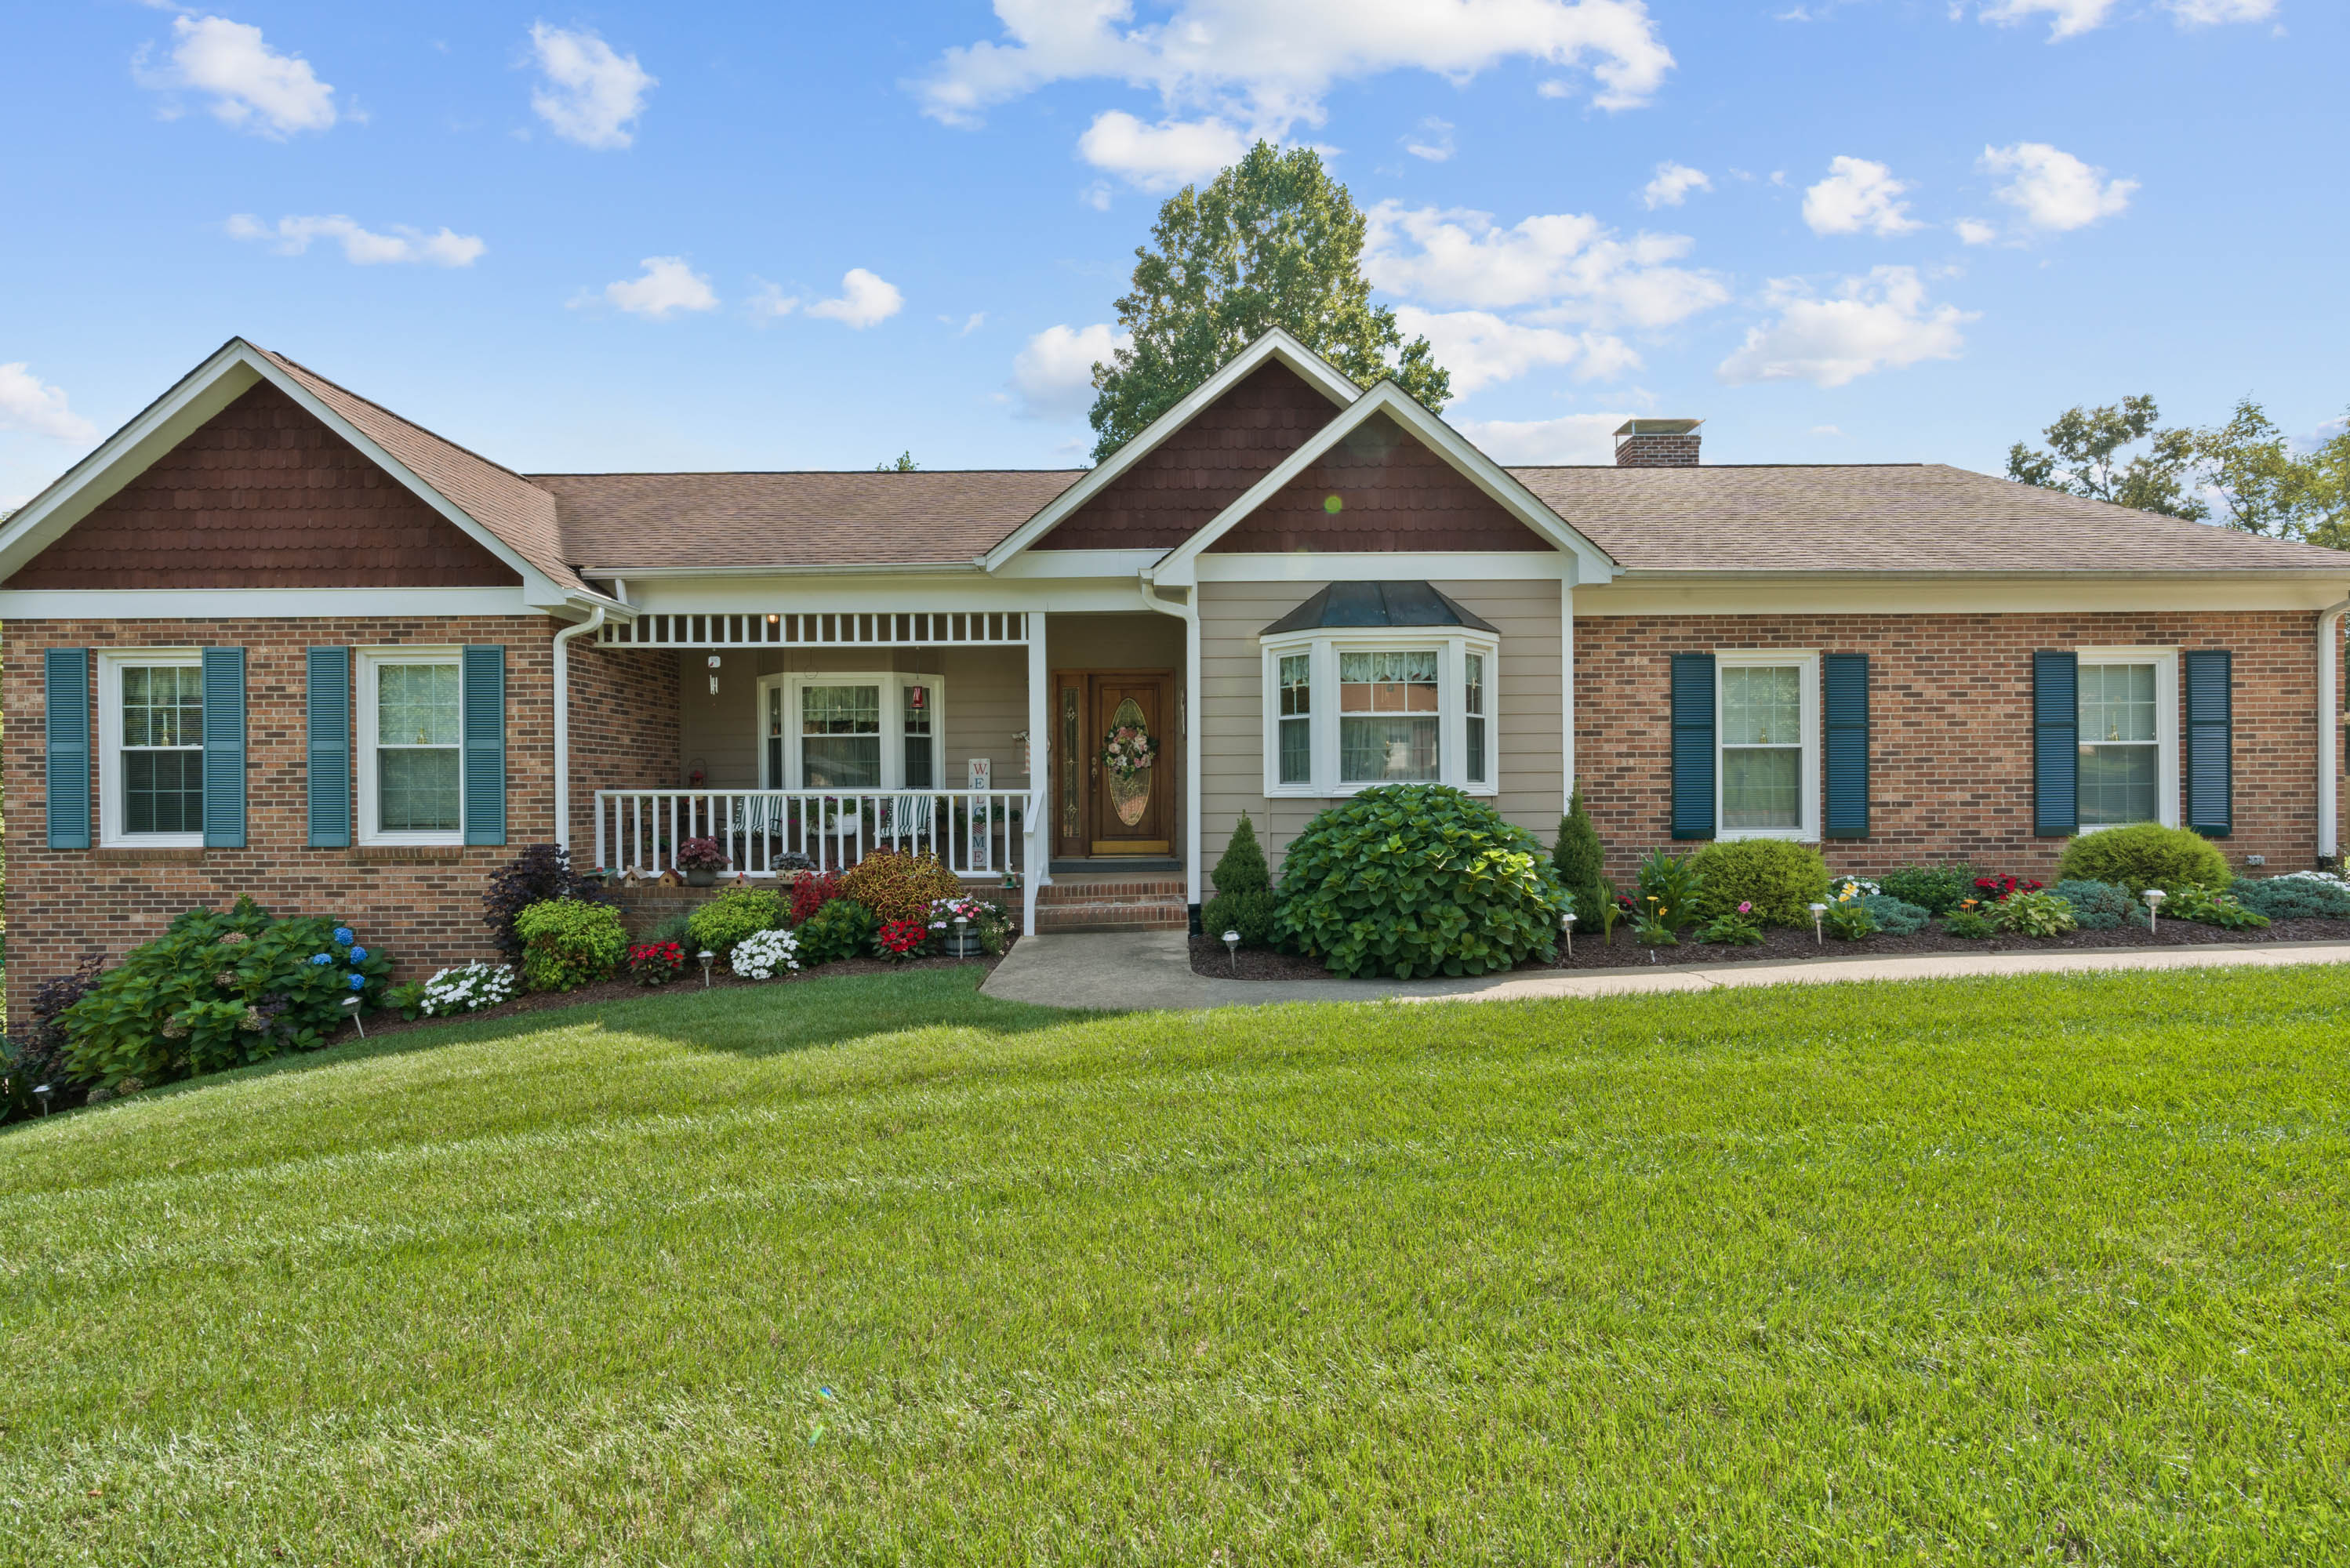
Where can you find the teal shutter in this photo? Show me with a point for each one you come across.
(66, 720)
(2056, 744)
(1844, 677)
(2210, 723)
(224, 748)
(1692, 700)
(328, 695)
(485, 686)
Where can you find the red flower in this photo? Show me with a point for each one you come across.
(899, 939)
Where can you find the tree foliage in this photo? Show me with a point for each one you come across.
(2265, 487)
(2088, 456)
(1271, 241)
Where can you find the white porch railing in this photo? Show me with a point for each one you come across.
(975, 832)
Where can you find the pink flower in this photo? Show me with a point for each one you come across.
(1746, 909)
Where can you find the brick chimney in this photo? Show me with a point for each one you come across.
(1657, 443)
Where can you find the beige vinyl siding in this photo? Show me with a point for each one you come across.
(984, 690)
(1232, 702)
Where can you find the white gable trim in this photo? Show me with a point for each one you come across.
(1592, 564)
(172, 418)
(1276, 344)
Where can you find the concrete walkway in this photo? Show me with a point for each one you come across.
(1132, 969)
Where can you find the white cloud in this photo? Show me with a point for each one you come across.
(1480, 348)
(863, 300)
(970, 324)
(1672, 185)
(1160, 157)
(251, 86)
(29, 404)
(1570, 438)
(591, 95)
(1271, 65)
(2217, 13)
(1054, 374)
(1433, 140)
(2054, 190)
(1825, 430)
(771, 303)
(1570, 265)
(666, 287)
(1975, 232)
(1875, 322)
(2073, 18)
(290, 236)
(1858, 194)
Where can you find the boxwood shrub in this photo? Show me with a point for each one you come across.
(1418, 879)
(567, 943)
(1774, 875)
(735, 914)
(2146, 854)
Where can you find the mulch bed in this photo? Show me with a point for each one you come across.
(624, 990)
(1781, 946)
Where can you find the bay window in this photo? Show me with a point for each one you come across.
(849, 732)
(152, 747)
(1347, 711)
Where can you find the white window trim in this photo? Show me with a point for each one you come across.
(2165, 727)
(1808, 662)
(111, 665)
(363, 735)
(1323, 645)
(893, 725)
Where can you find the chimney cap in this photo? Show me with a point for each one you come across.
(1656, 427)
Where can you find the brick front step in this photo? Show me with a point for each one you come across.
(1113, 915)
(1089, 890)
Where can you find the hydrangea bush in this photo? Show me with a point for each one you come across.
(762, 955)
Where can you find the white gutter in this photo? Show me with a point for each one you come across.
(1188, 612)
(2329, 727)
(562, 723)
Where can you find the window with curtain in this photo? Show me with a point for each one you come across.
(2120, 744)
(1761, 746)
(841, 737)
(1388, 716)
(162, 752)
(418, 722)
(1472, 701)
(1295, 688)
(915, 722)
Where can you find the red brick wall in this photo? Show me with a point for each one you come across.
(1393, 494)
(421, 905)
(624, 730)
(1950, 735)
(263, 496)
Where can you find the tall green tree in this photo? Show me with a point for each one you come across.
(1271, 241)
(2266, 487)
(2088, 456)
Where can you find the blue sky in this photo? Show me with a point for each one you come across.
(737, 236)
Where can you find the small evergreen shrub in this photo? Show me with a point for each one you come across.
(1254, 915)
(538, 874)
(1894, 917)
(1418, 879)
(566, 944)
(735, 914)
(2146, 854)
(1936, 889)
(900, 887)
(2293, 898)
(1778, 877)
(842, 928)
(2099, 905)
(1580, 861)
(669, 929)
(1242, 869)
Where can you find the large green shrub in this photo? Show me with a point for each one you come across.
(1241, 868)
(1936, 889)
(566, 944)
(1580, 861)
(219, 990)
(2294, 897)
(842, 928)
(1415, 880)
(2146, 854)
(1776, 876)
(735, 914)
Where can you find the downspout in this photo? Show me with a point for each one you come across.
(1188, 612)
(563, 723)
(2329, 728)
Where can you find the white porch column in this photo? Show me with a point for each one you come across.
(1035, 869)
(1566, 689)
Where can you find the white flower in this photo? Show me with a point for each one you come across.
(759, 955)
(467, 988)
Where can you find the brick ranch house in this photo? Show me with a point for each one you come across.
(273, 639)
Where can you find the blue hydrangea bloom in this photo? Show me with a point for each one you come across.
(359, 981)
(322, 957)
(343, 935)
(359, 955)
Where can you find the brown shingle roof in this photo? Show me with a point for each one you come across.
(519, 512)
(619, 522)
(1921, 517)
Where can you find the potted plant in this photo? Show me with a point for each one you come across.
(701, 860)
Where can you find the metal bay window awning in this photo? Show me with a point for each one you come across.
(878, 628)
(1359, 604)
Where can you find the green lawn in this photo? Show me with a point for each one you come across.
(879, 1269)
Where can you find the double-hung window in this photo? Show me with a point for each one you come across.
(1347, 710)
(1767, 728)
(152, 747)
(1390, 722)
(410, 732)
(851, 731)
(2127, 703)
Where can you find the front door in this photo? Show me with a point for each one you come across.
(1101, 808)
